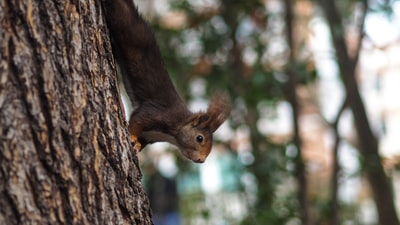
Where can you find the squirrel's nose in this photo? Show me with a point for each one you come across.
(199, 160)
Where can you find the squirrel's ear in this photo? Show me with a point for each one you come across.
(218, 110)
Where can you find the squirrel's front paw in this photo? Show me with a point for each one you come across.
(137, 147)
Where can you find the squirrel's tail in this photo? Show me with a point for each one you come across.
(127, 27)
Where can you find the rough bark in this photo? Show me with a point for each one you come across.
(65, 153)
(376, 176)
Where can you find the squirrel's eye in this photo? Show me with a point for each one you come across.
(199, 138)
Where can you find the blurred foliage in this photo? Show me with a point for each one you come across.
(240, 47)
(211, 47)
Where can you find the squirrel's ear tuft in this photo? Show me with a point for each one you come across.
(219, 109)
(200, 120)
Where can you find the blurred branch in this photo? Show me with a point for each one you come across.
(361, 33)
(334, 212)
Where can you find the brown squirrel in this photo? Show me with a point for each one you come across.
(160, 114)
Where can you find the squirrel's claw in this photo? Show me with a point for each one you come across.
(137, 146)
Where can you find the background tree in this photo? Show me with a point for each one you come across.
(65, 153)
(367, 141)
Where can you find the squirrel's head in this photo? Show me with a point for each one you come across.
(195, 137)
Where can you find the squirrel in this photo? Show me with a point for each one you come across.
(160, 115)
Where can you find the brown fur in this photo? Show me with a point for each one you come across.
(160, 113)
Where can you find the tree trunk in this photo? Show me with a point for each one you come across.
(301, 171)
(379, 183)
(65, 152)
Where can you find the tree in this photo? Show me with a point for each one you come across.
(368, 143)
(65, 152)
(293, 100)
